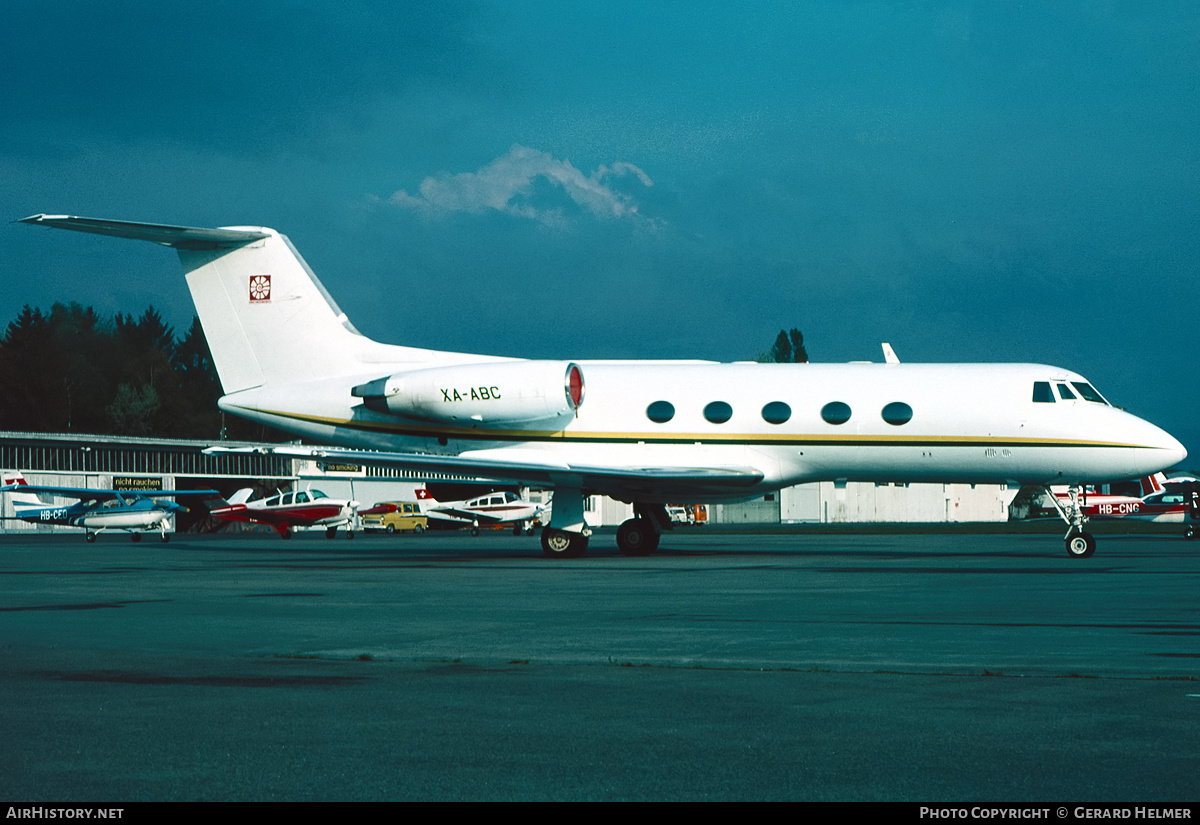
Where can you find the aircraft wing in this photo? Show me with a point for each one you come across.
(240, 512)
(529, 468)
(100, 495)
(469, 515)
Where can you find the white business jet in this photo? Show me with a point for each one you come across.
(644, 432)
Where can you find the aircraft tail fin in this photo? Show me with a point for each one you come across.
(265, 315)
(1153, 484)
(241, 496)
(21, 500)
(425, 499)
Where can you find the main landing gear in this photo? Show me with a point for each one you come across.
(563, 544)
(637, 536)
(1080, 544)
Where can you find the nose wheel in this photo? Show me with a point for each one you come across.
(1080, 545)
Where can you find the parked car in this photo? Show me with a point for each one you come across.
(393, 516)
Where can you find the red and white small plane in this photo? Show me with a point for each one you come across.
(1106, 505)
(487, 510)
(1171, 507)
(1163, 500)
(301, 508)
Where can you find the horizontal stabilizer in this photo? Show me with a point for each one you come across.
(179, 237)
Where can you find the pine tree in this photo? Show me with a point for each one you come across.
(787, 349)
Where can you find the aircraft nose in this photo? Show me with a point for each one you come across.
(1179, 453)
(1172, 449)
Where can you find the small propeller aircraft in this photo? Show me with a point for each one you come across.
(1163, 500)
(487, 510)
(98, 510)
(1107, 505)
(1178, 504)
(301, 508)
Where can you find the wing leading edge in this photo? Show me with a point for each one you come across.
(101, 495)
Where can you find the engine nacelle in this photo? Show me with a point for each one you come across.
(492, 394)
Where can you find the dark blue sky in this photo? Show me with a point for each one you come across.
(967, 180)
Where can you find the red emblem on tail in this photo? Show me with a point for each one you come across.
(260, 288)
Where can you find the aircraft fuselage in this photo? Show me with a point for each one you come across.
(971, 423)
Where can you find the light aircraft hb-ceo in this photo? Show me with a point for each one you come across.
(644, 432)
(97, 510)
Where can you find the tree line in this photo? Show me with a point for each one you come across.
(70, 370)
(787, 349)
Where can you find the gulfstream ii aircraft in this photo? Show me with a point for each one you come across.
(645, 432)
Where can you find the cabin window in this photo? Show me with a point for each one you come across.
(301, 498)
(836, 412)
(897, 413)
(718, 412)
(776, 412)
(1088, 392)
(660, 412)
(1064, 392)
(1041, 393)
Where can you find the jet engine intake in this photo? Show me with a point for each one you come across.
(492, 394)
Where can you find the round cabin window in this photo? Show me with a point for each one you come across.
(897, 413)
(660, 412)
(836, 412)
(776, 412)
(718, 412)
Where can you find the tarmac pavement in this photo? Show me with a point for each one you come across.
(928, 667)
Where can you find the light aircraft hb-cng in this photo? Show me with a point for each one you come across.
(645, 432)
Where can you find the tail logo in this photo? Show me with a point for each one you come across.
(260, 288)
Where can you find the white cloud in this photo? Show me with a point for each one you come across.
(507, 184)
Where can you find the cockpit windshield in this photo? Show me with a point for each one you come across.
(1088, 392)
(1043, 394)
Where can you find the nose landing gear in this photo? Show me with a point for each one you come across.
(1080, 544)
